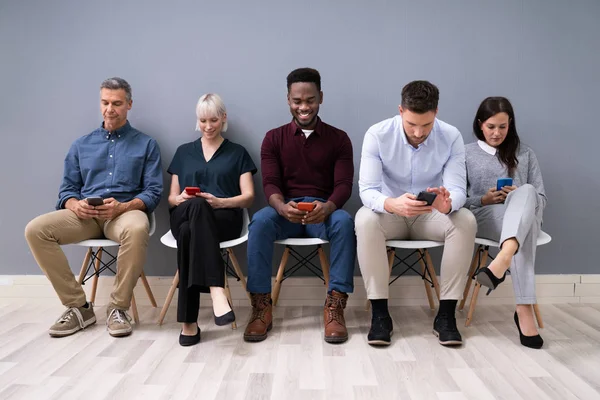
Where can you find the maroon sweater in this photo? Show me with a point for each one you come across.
(320, 166)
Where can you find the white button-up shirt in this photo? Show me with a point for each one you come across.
(390, 166)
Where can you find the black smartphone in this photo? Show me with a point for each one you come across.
(95, 201)
(426, 196)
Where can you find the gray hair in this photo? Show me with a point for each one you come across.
(117, 83)
(208, 105)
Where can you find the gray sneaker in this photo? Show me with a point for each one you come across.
(72, 320)
(118, 323)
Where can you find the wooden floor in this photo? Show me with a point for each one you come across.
(295, 363)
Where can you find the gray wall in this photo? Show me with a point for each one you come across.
(543, 55)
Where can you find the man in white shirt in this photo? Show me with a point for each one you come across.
(402, 156)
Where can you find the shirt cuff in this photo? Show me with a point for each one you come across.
(270, 190)
(148, 202)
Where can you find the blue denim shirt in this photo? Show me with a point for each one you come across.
(124, 165)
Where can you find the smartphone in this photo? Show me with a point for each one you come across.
(306, 206)
(95, 201)
(501, 182)
(426, 196)
(192, 190)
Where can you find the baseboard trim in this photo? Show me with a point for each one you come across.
(310, 291)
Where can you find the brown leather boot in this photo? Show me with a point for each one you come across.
(261, 320)
(333, 317)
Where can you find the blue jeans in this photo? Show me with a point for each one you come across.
(267, 226)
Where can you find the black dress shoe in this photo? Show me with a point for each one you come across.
(186, 340)
(533, 342)
(381, 331)
(226, 318)
(486, 277)
(444, 327)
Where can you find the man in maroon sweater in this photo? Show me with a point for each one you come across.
(303, 161)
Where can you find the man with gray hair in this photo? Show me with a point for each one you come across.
(112, 180)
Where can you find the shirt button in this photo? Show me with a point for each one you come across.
(112, 140)
(110, 173)
(107, 190)
(111, 156)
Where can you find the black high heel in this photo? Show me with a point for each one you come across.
(186, 340)
(225, 319)
(533, 342)
(486, 278)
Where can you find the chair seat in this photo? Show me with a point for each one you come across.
(543, 238)
(413, 244)
(97, 243)
(301, 241)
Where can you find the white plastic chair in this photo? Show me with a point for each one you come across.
(93, 259)
(480, 261)
(231, 268)
(301, 261)
(420, 249)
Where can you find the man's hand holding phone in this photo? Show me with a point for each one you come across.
(111, 209)
(81, 208)
(407, 205)
(319, 213)
(290, 212)
(443, 201)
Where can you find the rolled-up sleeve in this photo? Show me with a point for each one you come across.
(152, 178)
(370, 175)
(72, 181)
(454, 176)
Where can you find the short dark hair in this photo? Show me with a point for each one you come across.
(420, 97)
(117, 83)
(310, 75)
(509, 148)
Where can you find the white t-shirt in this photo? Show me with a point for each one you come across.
(307, 132)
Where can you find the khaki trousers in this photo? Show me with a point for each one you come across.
(46, 233)
(457, 230)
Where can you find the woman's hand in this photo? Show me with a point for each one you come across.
(493, 196)
(215, 202)
(183, 196)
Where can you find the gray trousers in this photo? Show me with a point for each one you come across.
(520, 217)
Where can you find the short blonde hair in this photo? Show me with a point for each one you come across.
(210, 104)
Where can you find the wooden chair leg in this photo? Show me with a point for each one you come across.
(238, 270)
(391, 254)
(84, 266)
(538, 316)
(432, 274)
(134, 309)
(228, 294)
(169, 298)
(473, 303)
(148, 290)
(324, 266)
(95, 278)
(482, 263)
(280, 272)
(469, 279)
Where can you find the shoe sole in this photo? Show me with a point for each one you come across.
(120, 332)
(257, 338)
(485, 280)
(336, 339)
(57, 334)
(380, 342)
(447, 342)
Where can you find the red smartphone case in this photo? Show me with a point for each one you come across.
(192, 190)
(306, 206)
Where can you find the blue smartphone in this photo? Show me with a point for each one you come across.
(501, 182)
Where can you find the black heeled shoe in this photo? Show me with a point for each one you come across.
(533, 342)
(225, 319)
(486, 277)
(186, 340)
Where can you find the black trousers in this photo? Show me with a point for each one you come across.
(199, 229)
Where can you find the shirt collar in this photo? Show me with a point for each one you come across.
(119, 131)
(487, 148)
(297, 130)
